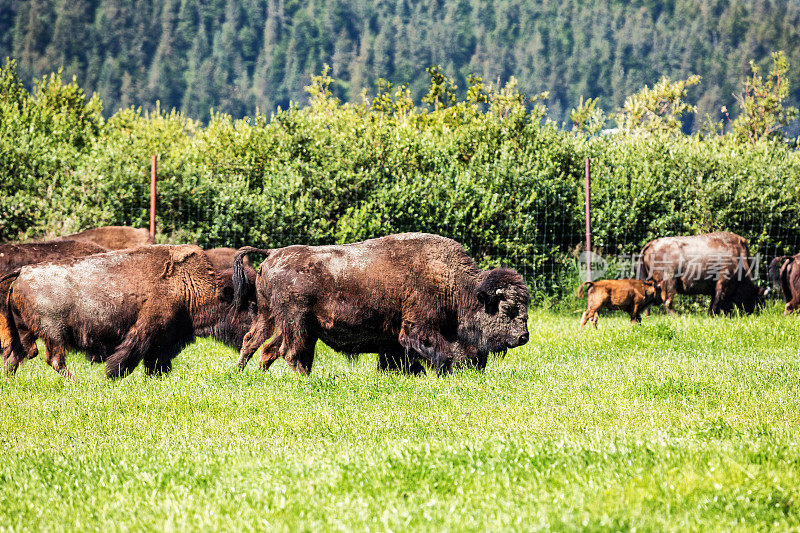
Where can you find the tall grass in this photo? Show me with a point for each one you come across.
(683, 423)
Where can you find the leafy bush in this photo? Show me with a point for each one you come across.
(487, 171)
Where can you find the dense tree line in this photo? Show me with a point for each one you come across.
(239, 55)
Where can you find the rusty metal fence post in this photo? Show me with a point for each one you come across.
(153, 196)
(588, 194)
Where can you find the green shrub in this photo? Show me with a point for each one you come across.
(486, 171)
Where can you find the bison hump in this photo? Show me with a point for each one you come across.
(189, 271)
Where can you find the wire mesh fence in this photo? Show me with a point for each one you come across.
(544, 243)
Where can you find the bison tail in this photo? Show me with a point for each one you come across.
(641, 267)
(785, 273)
(241, 285)
(588, 285)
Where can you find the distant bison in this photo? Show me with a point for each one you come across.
(784, 271)
(716, 264)
(113, 237)
(406, 296)
(630, 295)
(14, 256)
(222, 258)
(123, 307)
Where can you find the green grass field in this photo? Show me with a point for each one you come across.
(682, 423)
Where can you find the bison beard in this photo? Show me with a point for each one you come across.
(140, 305)
(407, 297)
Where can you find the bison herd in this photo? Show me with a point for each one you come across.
(714, 264)
(414, 299)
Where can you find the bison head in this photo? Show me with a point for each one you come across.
(653, 292)
(499, 317)
(774, 269)
(226, 322)
(748, 297)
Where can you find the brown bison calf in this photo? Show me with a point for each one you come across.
(142, 304)
(631, 295)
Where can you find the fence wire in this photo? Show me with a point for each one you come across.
(543, 243)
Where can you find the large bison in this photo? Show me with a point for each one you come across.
(784, 271)
(408, 295)
(716, 264)
(14, 256)
(113, 237)
(123, 307)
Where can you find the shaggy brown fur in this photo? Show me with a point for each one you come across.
(404, 296)
(123, 307)
(222, 258)
(789, 277)
(114, 237)
(716, 264)
(14, 256)
(630, 295)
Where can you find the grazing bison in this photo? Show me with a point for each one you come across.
(406, 296)
(716, 264)
(631, 295)
(113, 237)
(123, 307)
(784, 271)
(222, 258)
(14, 256)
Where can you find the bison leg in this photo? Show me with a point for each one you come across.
(55, 355)
(584, 318)
(260, 331)
(720, 297)
(792, 304)
(635, 314)
(270, 353)
(130, 351)
(299, 352)
(28, 340)
(396, 359)
(668, 292)
(159, 363)
(12, 348)
(13, 355)
(11, 362)
(158, 360)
